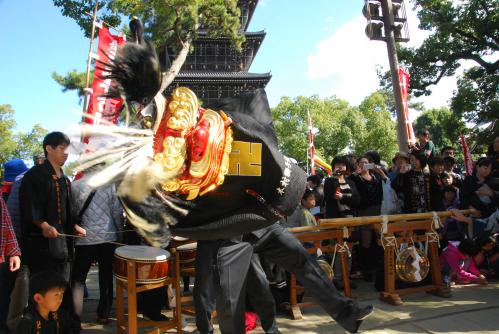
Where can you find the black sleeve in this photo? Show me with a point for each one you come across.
(357, 181)
(399, 182)
(25, 326)
(354, 200)
(33, 198)
(466, 192)
(69, 324)
(329, 190)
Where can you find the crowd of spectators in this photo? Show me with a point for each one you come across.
(422, 180)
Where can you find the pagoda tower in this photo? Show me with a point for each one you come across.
(214, 69)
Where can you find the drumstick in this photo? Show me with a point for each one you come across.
(81, 236)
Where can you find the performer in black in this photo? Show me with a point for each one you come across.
(215, 174)
(207, 287)
(46, 212)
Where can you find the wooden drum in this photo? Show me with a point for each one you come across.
(151, 264)
(187, 255)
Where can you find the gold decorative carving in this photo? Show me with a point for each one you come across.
(208, 173)
(183, 109)
(172, 160)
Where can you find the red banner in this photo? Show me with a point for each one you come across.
(468, 161)
(404, 78)
(100, 107)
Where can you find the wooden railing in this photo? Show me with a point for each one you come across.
(393, 230)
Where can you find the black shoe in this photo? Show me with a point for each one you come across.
(365, 312)
(353, 322)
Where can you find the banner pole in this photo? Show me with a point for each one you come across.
(89, 60)
(110, 26)
(311, 143)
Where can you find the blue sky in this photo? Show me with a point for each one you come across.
(311, 47)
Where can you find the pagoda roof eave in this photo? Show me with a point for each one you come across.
(255, 51)
(209, 76)
(248, 34)
(252, 7)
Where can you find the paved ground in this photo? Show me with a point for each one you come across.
(472, 309)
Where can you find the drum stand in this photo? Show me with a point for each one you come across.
(316, 237)
(186, 301)
(131, 324)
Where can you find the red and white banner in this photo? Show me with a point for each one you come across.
(468, 161)
(101, 107)
(404, 78)
(311, 144)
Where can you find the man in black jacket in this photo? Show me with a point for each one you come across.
(46, 213)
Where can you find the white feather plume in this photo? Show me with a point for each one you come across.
(129, 153)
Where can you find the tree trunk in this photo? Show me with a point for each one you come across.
(172, 72)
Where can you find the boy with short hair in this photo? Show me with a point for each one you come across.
(43, 315)
(307, 202)
(425, 145)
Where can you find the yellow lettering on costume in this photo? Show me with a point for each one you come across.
(245, 159)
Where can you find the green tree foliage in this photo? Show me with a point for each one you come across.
(29, 143)
(377, 130)
(460, 30)
(17, 145)
(444, 126)
(7, 123)
(341, 128)
(290, 121)
(73, 80)
(81, 11)
(174, 23)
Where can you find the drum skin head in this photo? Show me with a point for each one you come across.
(142, 253)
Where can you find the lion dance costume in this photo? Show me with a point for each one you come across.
(200, 173)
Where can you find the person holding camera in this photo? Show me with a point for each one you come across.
(369, 184)
(341, 197)
(414, 183)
